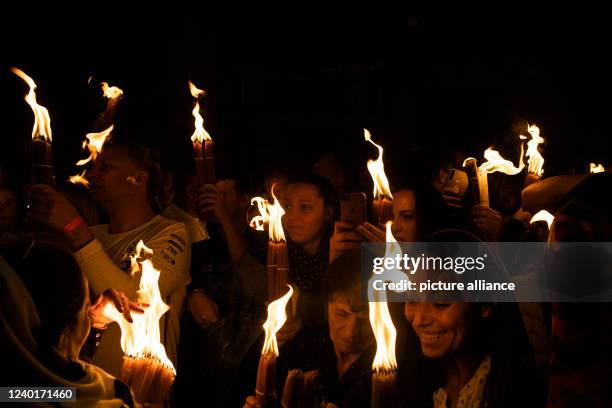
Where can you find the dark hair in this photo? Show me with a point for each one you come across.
(503, 334)
(323, 185)
(57, 287)
(431, 212)
(145, 160)
(344, 273)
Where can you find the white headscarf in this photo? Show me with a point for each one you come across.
(18, 317)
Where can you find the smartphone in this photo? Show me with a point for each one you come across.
(353, 208)
(457, 178)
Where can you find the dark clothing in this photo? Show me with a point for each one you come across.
(313, 349)
(307, 274)
(212, 270)
(209, 360)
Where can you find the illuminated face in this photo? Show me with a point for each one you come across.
(305, 214)
(228, 188)
(404, 226)
(442, 327)
(349, 323)
(116, 178)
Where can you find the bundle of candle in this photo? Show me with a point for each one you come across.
(203, 147)
(145, 367)
(300, 389)
(536, 161)
(41, 155)
(148, 377)
(384, 367)
(382, 205)
(478, 186)
(278, 257)
(113, 94)
(265, 388)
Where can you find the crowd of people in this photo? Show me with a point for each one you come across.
(65, 254)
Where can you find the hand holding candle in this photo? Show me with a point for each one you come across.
(384, 367)
(265, 389)
(145, 367)
(203, 147)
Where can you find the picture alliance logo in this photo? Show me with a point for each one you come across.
(411, 264)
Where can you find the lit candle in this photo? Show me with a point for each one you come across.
(384, 366)
(41, 155)
(265, 388)
(382, 205)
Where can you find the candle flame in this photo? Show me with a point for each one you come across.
(42, 121)
(275, 229)
(377, 171)
(536, 161)
(276, 319)
(141, 339)
(496, 163)
(380, 319)
(200, 134)
(543, 216)
(596, 168)
(110, 91)
(94, 143)
(259, 221)
(79, 179)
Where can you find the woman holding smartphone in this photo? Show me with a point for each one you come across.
(418, 211)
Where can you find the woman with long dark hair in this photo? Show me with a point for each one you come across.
(469, 354)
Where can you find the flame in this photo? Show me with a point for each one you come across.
(543, 216)
(141, 339)
(79, 179)
(380, 319)
(42, 121)
(276, 319)
(377, 171)
(110, 91)
(275, 229)
(94, 144)
(495, 162)
(536, 161)
(200, 134)
(596, 168)
(259, 221)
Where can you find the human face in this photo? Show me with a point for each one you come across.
(442, 327)
(305, 214)
(230, 194)
(9, 211)
(404, 226)
(115, 177)
(349, 323)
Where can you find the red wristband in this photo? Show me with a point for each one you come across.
(72, 225)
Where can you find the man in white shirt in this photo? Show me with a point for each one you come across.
(121, 183)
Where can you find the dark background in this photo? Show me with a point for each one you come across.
(284, 85)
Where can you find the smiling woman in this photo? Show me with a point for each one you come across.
(475, 354)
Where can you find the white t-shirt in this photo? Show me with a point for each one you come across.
(196, 228)
(106, 263)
